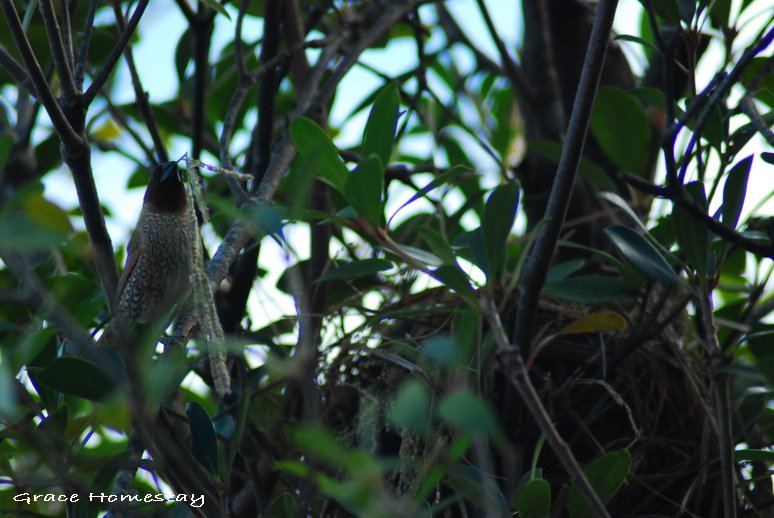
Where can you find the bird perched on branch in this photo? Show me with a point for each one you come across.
(159, 262)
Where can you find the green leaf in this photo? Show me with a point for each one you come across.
(587, 169)
(355, 269)
(453, 277)
(642, 254)
(204, 445)
(636, 39)
(606, 475)
(692, 236)
(284, 506)
(31, 222)
(468, 412)
(317, 149)
(735, 191)
(587, 288)
(183, 54)
(379, 133)
(765, 85)
(622, 129)
(754, 455)
(77, 377)
(666, 9)
(437, 243)
(410, 409)
(363, 190)
(499, 215)
(533, 499)
(686, 8)
(442, 348)
(214, 4)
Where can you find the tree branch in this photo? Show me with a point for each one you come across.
(719, 368)
(748, 107)
(201, 29)
(539, 259)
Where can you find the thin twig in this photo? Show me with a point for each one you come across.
(720, 92)
(748, 107)
(126, 34)
(539, 259)
(67, 35)
(83, 49)
(514, 368)
(511, 68)
(679, 197)
(42, 89)
(58, 52)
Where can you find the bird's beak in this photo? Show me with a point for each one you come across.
(169, 171)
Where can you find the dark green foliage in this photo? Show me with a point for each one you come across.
(368, 377)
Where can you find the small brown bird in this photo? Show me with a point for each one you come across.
(159, 260)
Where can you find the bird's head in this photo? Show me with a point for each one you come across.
(166, 191)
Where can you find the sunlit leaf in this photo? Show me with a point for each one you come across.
(599, 321)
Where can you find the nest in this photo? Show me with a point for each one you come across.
(653, 401)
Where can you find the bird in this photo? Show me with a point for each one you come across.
(159, 262)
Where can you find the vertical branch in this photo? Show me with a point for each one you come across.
(719, 366)
(67, 34)
(141, 96)
(514, 368)
(83, 48)
(536, 265)
(202, 24)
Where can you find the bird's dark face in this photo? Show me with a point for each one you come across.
(166, 191)
(169, 172)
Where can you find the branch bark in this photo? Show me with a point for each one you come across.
(536, 266)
